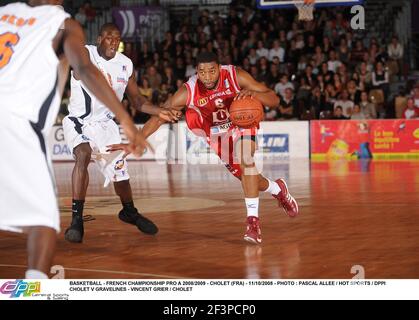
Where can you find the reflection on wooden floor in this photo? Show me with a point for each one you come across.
(352, 213)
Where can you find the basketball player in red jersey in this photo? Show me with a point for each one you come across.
(207, 97)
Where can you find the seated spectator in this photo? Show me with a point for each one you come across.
(346, 104)
(264, 73)
(400, 103)
(357, 113)
(190, 68)
(309, 76)
(179, 70)
(331, 94)
(380, 79)
(319, 57)
(261, 50)
(288, 106)
(283, 85)
(302, 64)
(81, 17)
(310, 49)
(337, 82)
(304, 90)
(338, 114)
(154, 78)
(395, 53)
(359, 84)
(90, 11)
(327, 46)
(344, 52)
(367, 107)
(276, 51)
(416, 96)
(354, 93)
(365, 75)
(293, 53)
(168, 78)
(274, 75)
(299, 43)
(411, 111)
(252, 56)
(326, 73)
(357, 53)
(145, 89)
(131, 52)
(333, 63)
(292, 34)
(318, 103)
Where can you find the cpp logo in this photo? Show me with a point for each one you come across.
(274, 143)
(20, 287)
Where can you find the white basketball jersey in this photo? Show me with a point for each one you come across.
(117, 71)
(28, 63)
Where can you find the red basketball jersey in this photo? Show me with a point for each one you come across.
(212, 105)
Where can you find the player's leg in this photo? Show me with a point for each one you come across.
(244, 150)
(80, 181)
(27, 192)
(41, 248)
(115, 169)
(129, 212)
(279, 190)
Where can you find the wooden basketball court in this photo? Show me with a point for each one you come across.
(352, 214)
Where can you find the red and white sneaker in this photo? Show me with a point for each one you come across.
(286, 200)
(253, 233)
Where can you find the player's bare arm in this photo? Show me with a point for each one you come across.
(78, 58)
(143, 105)
(251, 87)
(175, 105)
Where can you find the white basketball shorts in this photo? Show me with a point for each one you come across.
(99, 134)
(27, 187)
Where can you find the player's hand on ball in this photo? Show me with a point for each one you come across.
(245, 93)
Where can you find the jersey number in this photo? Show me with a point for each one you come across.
(220, 114)
(7, 41)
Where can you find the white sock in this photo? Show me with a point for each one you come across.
(252, 205)
(273, 187)
(35, 274)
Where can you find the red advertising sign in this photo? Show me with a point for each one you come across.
(364, 138)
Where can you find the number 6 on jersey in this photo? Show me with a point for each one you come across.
(7, 41)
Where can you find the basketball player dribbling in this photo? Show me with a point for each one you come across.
(207, 97)
(38, 42)
(89, 128)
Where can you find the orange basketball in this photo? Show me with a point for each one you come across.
(246, 113)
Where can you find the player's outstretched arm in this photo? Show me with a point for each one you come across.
(143, 105)
(174, 104)
(251, 87)
(77, 55)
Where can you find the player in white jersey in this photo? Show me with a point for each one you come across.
(89, 129)
(38, 42)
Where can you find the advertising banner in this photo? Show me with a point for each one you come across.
(363, 139)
